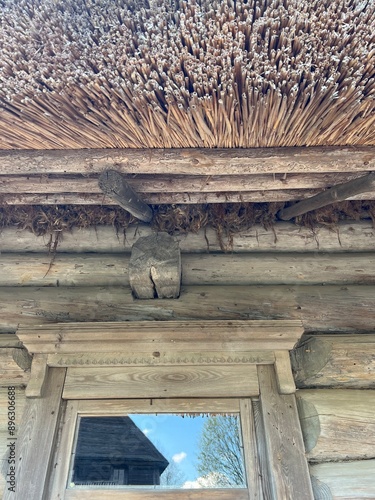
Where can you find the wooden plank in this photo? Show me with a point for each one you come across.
(207, 269)
(354, 236)
(337, 424)
(335, 361)
(195, 161)
(171, 198)
(175, 405)
(9, 341)
(161, 382)
(284, 444)
(36, 439)
(264, 467)
(346, 480)
(154, 337)
(249, 442)
(14, 366)
(170, 183)
(339, 309)
(198, 494)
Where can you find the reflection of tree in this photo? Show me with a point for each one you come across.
(173, 475)
(220, 452)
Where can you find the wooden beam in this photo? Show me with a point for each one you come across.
(353, 236)
(36, 438)
(190, 161)
(171, 198)
(346, 480)
(339, 309)
(283, 437)
(114, 185)
(340, 192)
(337, 424)
(197, 269)
(111, 181)
(14, 366)
(335, 361)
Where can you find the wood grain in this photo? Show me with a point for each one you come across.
(346, 480)
(354, 236)
(14, 366)
(161, 382)
(199, 494)
(338, 309)
(284, 444)
(337, 424)
(335, 361)
(190, 161)
(197, 269)
(36, 439)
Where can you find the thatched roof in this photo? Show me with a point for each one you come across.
(175, 73)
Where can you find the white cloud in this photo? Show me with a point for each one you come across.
(212, 480)
(146, 431)
(179, 457)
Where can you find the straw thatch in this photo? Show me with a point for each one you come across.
(175, 73)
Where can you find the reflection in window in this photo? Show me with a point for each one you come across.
(158, 451)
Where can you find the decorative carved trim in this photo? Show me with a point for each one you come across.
(136, 359)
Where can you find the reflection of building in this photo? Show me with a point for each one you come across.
(112, 450)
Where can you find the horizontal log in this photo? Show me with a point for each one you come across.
(340, 309)
(14, 367)
(335, 361)
(206, 269)
(190, 161)
(283, 237)
(175, 184)
(337, 424)
(170, 198)
(347, 480)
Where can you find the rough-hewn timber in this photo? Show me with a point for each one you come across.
(337, 424)
(335, 361)
(284, 237)
(190, 161)
(206, 269)
(345, 309)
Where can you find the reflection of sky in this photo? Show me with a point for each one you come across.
(174, 436)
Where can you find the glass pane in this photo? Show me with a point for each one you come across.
(158, 451)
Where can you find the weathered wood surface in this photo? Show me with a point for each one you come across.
(340, 192)
(161, 382)
(169, 183)
(38, 377)
(171, 198)
(146, 337)
(155, 267)
(36, 439)
(283, 437)
(190, 161)
(337, 424)
(4, 433)
(14, 366)
(339, 309)
(344, 481)
(148, 265)
(284, 237)
(114, 185)
(335, 361)
(182, 494)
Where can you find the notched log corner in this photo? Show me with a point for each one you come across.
(113, 184)
(155, 267)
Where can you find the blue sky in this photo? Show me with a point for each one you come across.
(176, 437)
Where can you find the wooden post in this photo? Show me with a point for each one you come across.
(35, 442)
(289, 474)
(114, 185)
